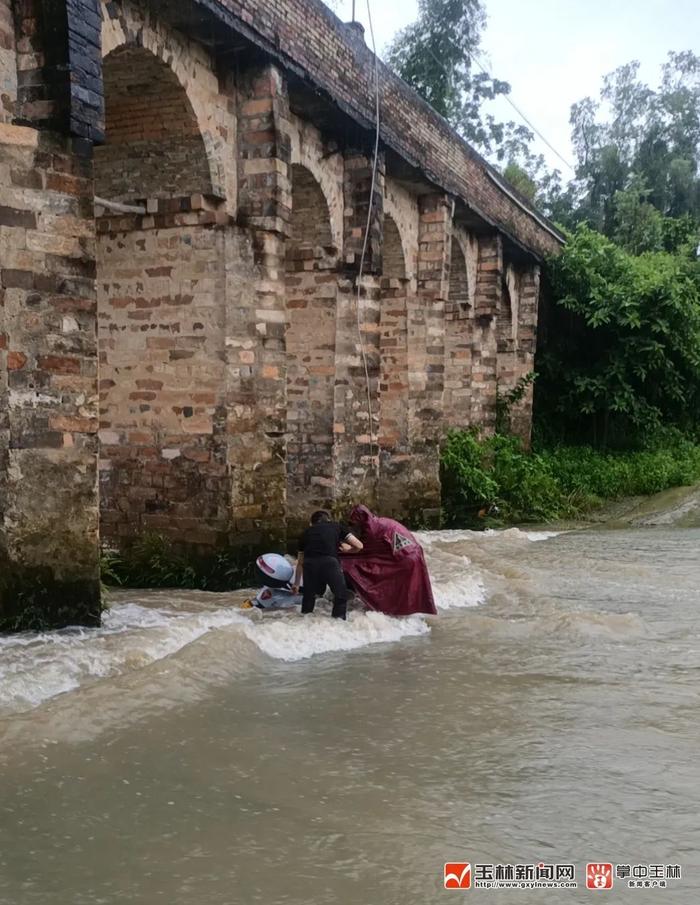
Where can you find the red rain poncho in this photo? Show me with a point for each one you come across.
(389, 574)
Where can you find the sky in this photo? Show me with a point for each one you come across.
(555, 52)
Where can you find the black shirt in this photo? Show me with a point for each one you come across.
(322, 539)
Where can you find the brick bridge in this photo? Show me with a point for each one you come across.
(184, 188)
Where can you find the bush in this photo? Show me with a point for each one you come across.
(484, 474)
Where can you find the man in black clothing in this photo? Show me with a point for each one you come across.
(318, 558)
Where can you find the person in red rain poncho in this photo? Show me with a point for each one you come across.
(389, 574)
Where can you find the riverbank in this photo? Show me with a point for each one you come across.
(493, 482)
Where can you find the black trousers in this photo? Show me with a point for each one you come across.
(320, 573)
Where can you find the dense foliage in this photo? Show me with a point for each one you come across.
(494, 480)
(621, 352)
(437, 55)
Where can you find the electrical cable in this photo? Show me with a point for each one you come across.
(375, 163)
(509, 100)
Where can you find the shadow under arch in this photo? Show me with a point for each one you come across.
(459, 340)
(394, 401)
(153, 144)
(311, 289)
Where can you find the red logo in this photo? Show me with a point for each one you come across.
(458, 875)
(599, 876)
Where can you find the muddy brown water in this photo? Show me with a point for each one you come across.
(187, 754)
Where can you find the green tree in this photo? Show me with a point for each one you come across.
(638, 224)
(652, 135)
(435, 55)
(622, 343)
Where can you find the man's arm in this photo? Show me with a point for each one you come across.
(351, 544)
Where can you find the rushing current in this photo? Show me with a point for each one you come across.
(192, 754)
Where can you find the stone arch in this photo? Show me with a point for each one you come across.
(127, 26)
(459, 289)
(162, 309)
(402, 209)
(507, 331)
(507, 318)
(393, 374)
(311, 298)
(394, 257)
(153, 147)
(459, 337)
(309, 152)
(310, 241)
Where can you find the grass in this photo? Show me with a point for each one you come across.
(561, 482)
(153, 561)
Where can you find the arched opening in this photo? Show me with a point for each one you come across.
(393, 381)
(505, 339)
(506, 332)
(459, 339)
(161, 312)
(153, 146)
(311, 290)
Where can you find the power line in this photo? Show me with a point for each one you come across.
(523, 117)
(511, 102)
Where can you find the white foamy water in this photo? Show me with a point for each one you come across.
(36, 667)
(142, 628)
(298, 639)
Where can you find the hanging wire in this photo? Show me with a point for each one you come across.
(372, 445)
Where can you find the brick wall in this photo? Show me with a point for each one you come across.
(311, 290)
(59, 83)
(394, 443)
(528, 301)
(8, 62)
(507, 330)
(426, 350)
(487, 303)
(357, 404)
(459, 338)
(48, 370)
(207, 87)
(161, 298)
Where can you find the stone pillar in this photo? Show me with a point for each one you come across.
(426, 355)
(49, 562)
(395, 458)
(521, 414)
(487, 301)
(256, 327)
(60, 66)
(356, 448)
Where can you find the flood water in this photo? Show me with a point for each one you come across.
(187, 754)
